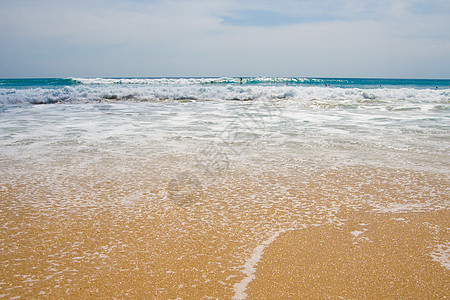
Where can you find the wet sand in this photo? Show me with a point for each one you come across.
(353, 232)
(370, 256)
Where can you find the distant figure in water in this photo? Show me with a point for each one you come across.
(241, 79)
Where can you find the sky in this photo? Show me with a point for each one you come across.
(162, 38)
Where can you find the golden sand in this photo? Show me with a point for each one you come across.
(353, 233)
(370, 256)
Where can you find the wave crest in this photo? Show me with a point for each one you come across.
(195, 81)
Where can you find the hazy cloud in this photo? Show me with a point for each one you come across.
(206, 38)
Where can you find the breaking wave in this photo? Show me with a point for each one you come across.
(303, 91)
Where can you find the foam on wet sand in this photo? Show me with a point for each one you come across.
(288, 231)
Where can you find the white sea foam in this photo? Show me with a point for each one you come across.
(441, 255)
(358, 135)
(102, 89)
(192, 81)
(153, 81)
(356, 233)
(249, 267)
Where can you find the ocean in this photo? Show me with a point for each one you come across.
(192, 187)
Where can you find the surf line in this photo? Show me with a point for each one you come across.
(250, 267)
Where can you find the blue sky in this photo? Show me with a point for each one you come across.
(340, 38)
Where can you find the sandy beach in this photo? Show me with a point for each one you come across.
(351, 233)
(371, 256)
(208, 188)
(155, 149)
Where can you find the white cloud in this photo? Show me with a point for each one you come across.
(184, 37)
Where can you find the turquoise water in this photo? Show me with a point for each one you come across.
(332, 82)
(35, 83)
